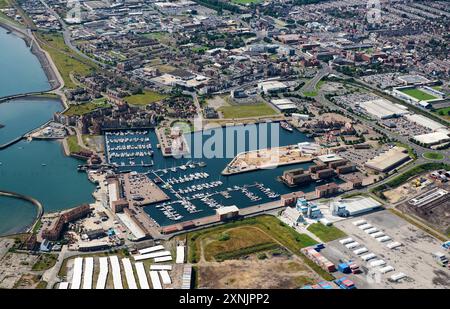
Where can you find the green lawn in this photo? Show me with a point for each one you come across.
(233, 242)
(433, 156)
(145, 98)
(45, 261)
(418, 94)
(243, 111)
(310, 94)
(443, 112)
(4, 4)
(85, 108)
(315, 92)
(64, 58)
(72, 142)
(282, 233)
(161, 37)
(326, 233)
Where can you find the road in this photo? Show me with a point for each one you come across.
(419, 150)
(67, 36)
(311, 85)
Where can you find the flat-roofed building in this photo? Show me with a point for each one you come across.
(296, 177)
(326, 190)
(227, 212)
(425, 122)
(315, 168)
(389, 159)
(272, 86)
(383, 109)
(326, 173)
(284, 105)
(354, 206)
(433, 138)
(345, 169)
(328, 158)
(338, 163)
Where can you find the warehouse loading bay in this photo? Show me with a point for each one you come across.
(414, 258)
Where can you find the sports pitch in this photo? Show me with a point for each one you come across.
(419, 94)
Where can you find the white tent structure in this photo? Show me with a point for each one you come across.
(103, 274)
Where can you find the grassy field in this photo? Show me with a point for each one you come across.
(233, 241)
(85, 108)
(277, 230)
(145, 98)
(161, 37)
(45, 261)
(418, 94)
(243, 111)
(314, 93)
(4, 4)
(433, 156)
(64, 57)
(443, 112)
(72, 142)
(326, 233)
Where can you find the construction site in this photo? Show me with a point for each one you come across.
(266, 158)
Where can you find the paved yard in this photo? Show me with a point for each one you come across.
(414, 258)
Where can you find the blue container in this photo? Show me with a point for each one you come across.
(344, 268)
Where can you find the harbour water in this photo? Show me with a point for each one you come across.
(35, 112)
(38, 168)
(169, 169)
(19, 213)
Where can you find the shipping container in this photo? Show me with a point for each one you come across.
(393, 245)
(344, 268)
(398, 276)
(352, 245)
(383, 238)
(359, 222)
(371, 230)
(377, 234)
(365, 226)
(368, 257)
(377, 263)
(361, 251)
(346, 241)
(386, 269)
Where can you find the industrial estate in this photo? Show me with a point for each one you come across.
(242, 144)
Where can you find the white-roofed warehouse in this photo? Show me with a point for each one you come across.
(383, 109)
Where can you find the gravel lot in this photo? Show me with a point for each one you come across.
(414, 258)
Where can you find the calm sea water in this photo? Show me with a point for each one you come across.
(18, 212)
(20, 70)
(39, 168)
(35, 112)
